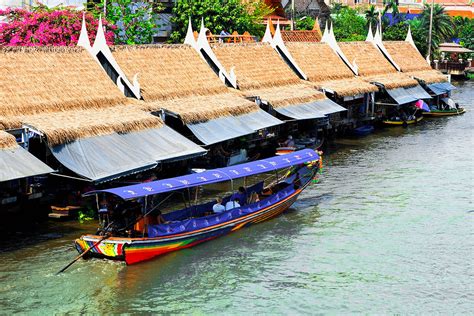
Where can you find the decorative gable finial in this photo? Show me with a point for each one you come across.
(370, 36)
(100, 35)
(189, 39)
(83, 40)
(324, 38)
(409, 38)
(267, 37)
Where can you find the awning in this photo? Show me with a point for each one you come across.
(219, 130)
(313, 110)
(104, 158)
(408, 95)
(441, 88)
(258, 120)
(164, 144)
(212, 176)
(418, 92)
(17, 163)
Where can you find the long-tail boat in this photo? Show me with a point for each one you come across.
(196, 224)
(402, 123)
(449, 112)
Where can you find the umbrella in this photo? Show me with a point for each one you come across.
(422, 105)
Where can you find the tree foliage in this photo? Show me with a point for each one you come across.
(305, 23)
(59, 26)
(464, 31)
(229, 15)
(443, 28)
(349, 25)
(135, 21)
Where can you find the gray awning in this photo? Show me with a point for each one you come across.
(219, 130)
(441, 88)
(313, 110)
(258, 120)
(401, 96)
(17, 163)
(408, 95)
(164, 144)
(104, 158)
(418, 92)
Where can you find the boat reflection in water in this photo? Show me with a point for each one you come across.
(195, 224)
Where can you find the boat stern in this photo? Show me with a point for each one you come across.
(111, 248)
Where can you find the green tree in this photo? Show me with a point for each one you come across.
(443, 28)
(395, 32)
(229, 15)
(372, 17)
(135, 21)
(464, 31)
(305, 23)
(349, 25)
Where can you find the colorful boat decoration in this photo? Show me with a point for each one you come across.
(450, 112)
(196, 224)
(402, 123)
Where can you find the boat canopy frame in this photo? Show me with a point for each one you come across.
(211, 176)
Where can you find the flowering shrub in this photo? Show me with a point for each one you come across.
(47, 27)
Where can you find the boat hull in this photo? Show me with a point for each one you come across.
(402, 123)
(363, 130)
(437, 113)
(134, 250)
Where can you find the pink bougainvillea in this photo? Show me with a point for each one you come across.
(45, 27)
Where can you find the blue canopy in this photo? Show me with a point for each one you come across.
(212, 176)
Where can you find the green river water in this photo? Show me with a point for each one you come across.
(390, 229)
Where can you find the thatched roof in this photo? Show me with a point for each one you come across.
(373, 66)
(393, 80)
(428, 76)
(406, 56)
(168, 71)
(8, 122)
(327, 70)
(176, 78)
(7, 140)
(195, 109)
(257, 65)
(367, 57)
(63, 127)
(319, 62)
(412, 63)
(349, 86)
(46, 79)
(287, 95)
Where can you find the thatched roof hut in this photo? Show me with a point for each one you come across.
(412, 63)
(49, 79)
(67, 126)
(324, 68)
(260, 71)
(373, 66)
(176, 78)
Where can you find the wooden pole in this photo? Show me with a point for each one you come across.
(430, 31)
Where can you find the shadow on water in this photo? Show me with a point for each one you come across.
(41, 233)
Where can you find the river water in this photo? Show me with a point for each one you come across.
(388, 230)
